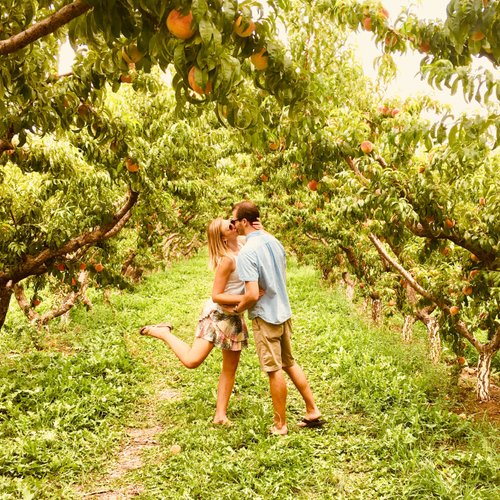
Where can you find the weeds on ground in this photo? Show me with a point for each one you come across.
(389, 433)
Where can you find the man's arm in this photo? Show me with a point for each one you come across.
(250, 298)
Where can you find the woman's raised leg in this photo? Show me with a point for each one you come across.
(230, 360)
(190, 356)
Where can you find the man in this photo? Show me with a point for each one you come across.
(262, 265)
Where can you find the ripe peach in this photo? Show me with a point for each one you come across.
(312, 185)
(260, 59)
(180, 25)
(424, 47)
(131, 165)
(195, 86)
(477, 36)
(243, 27)
(367, 23)
(366, 147)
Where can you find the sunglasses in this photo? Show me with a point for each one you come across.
(232, 223)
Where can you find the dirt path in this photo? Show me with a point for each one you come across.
(130, 457)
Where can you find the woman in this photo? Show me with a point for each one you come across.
(215, 326)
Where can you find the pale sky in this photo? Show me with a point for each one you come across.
(407, 82)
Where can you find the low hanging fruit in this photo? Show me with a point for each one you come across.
(313, 185)
(131, 165)
(243, 27)
(260, 59)
(180, 25)
(366, 147)
(195, 86)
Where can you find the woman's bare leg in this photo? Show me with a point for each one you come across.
(190, 356)
(230, 360)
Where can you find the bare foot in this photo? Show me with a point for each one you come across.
(279, 431)
(222, 421)
(157, 331)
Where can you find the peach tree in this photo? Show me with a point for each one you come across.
(73, 165)
(407, 183)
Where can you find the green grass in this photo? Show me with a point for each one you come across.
(390, 433)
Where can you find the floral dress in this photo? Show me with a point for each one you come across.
(227, 331)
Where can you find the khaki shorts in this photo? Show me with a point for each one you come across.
(272, 343)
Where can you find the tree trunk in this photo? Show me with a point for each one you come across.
(434, 339)
(483, 375)
(349, 285)
(376, 310)
(5, 295)
(432, 326)
(407, 332)
(364, 307)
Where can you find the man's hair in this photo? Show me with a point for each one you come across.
(247, 210)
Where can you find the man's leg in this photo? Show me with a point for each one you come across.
(297, 375)
(299, 379)
(277, 385)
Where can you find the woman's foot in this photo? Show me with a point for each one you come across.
(279, 431)
(157, 331)
(222, 421)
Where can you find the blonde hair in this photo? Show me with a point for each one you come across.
(217, 247)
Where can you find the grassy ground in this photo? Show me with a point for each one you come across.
(67, 411)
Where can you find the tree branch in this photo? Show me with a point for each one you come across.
(424, 231)
(317, 238)
(464, 331)
(42, 28)
(354, 167)
(403, 272)
(33, 265)
(24, 303)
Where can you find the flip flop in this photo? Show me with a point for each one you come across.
(311, 424)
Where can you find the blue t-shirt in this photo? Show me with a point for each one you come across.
(263, 259)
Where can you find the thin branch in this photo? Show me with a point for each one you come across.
(42, 28)
(5, 145)
(354, 167)
(464, 331)
(317, 238)
(401, 270)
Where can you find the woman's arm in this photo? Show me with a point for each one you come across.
(222, 273)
